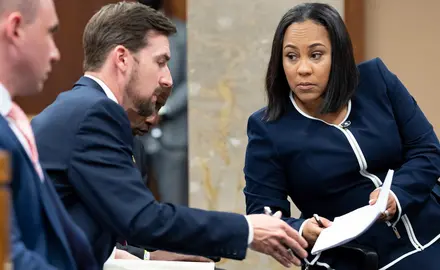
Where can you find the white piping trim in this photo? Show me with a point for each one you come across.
(410, 236)
(435, 239)
(351, 139)
(377, 182)
(399, 259)
(355, 150)
(411, 231)
(314, 118)
(325, 265)
(399, 209)
(315, 259)
(431, 242)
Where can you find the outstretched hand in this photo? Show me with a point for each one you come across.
(274, 237)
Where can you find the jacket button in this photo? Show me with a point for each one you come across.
(346, 124)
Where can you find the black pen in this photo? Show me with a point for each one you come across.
(318, 220)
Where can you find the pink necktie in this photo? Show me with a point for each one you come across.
(22, 123)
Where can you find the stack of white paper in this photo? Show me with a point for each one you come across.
(349, 226)
(113, 264)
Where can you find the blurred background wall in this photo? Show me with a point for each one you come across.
(406, 35)
(229, 46)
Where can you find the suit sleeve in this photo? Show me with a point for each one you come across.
(415, 179)
(264, 175)
(22, 258)
(106, 179)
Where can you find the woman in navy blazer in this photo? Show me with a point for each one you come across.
(327, 138)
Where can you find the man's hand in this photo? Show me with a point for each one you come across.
(312, 229)
(161, 255)
(124, 255)
(391, 205)
(274, 237)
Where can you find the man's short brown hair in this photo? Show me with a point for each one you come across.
(124, 23)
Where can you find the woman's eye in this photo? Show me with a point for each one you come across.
(316, 55)
(291, 56)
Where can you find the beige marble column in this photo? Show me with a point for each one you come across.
(228, 49)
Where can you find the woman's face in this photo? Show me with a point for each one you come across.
(307, 61)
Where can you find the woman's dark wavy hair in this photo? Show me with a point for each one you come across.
(343, 78)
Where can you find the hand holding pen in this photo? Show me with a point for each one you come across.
(313, 227)
(318, 220)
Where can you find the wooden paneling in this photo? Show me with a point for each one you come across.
(176, 8)
(354, 16)
(73, 16)
(5, 177)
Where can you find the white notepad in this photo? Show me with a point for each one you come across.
(115, 264)
(349, 226)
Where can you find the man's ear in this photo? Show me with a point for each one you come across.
(121, 57)
(14, 27)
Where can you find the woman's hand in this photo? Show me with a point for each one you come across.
(312, 229)
(391, 205)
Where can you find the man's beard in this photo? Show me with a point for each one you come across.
(143, 107)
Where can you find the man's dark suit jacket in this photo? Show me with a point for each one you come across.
(85, 143)
(140, 158)
(43, 236)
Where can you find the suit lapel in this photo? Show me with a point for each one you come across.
(16, 143)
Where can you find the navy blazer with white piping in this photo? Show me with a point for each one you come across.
(331, 169)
